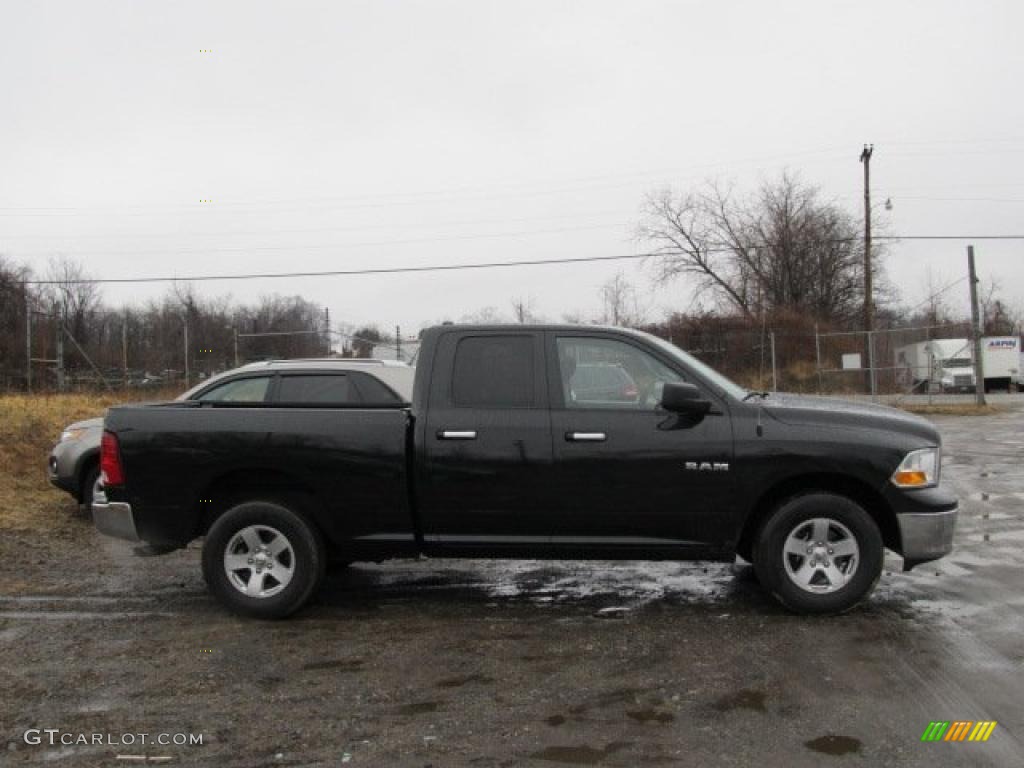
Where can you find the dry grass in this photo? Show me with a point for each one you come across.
(29, 426)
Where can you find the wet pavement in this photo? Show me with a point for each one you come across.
(500, 663)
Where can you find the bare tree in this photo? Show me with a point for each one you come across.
(782, 248)
(997, 318)
(71, 296)
(935, 307)
(143, 341)
(364, 340)
(621, 302)
(686, 242)
(483, 316)
(522, 310)
(14, 298)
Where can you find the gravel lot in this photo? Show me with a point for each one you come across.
(493, 663)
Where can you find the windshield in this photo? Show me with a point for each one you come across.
(956, 362)
(704, 371)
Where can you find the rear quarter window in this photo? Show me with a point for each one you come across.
(318, 389)
(374, 391)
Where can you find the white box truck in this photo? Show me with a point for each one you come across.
(947, 365)
(938, 365)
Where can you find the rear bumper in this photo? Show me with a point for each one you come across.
(114, 518)
(926, 536)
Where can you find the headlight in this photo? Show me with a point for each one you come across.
(919, 469)
(72, 434)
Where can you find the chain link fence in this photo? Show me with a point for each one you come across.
(934, 361)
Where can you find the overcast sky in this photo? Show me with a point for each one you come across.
(344, 135)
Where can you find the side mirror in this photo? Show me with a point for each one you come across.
(683, 398)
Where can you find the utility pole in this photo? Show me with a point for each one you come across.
(398, 342)
(979, 368)
(60, 350)
(28, 341)
(236, 347)
(817, 355)
(124, 346)
(327, 329)
(869, 313)
(186, 352)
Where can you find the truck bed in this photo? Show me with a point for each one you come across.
(186, 461)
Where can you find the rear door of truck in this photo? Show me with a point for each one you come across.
(486, 442)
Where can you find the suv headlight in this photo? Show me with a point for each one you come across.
(919, 469)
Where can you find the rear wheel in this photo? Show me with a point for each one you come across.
(263, 559)
(819, 553)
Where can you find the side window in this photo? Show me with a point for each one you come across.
(373, 391)
(604, 373)
(249, 390)
(334, 389)
(494, 372)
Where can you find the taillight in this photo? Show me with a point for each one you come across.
(110, 460)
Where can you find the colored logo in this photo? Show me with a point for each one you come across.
(958, 730)
(1002, 344)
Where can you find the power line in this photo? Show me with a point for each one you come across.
(939, 292)
(901, 198)
(948, 237)
(426, 240)
(344, 272)
(471, 265)
(1005, 139)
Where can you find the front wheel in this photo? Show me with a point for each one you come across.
(263, 559)
(819, 553)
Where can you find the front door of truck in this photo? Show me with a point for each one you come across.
(486, 442)
(627, 473)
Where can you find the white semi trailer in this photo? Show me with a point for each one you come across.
(947, 365)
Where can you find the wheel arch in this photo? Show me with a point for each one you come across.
(223, 492)
(843, 485)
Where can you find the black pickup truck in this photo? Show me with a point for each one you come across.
(525, 441)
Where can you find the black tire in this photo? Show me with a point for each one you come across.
(92, 474)
(306, 558)
(773, 566)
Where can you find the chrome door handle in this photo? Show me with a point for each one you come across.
(586, 437)
(446, 434)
